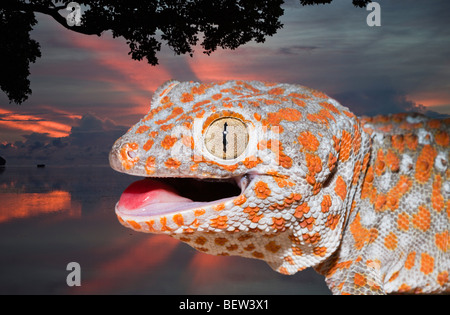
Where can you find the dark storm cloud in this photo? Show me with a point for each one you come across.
(378, 102)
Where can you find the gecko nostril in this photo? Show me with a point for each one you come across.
(131, 154)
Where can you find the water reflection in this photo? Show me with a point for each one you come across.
(23, 205)
(50, 217)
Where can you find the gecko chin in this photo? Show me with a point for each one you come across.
(154, 197)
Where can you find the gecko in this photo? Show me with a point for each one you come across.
(286, 174)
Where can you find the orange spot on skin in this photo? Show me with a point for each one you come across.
(331, 162)
(437, 200)
(186, 97)
(311, 239)
(172, 163)
(393, 196)
(362, 235)
(332, 221)
(314, 164)
(166, 127)
(262, 190)
(219, 207)
(297, 251)
(281, 180)
(276, 91)
(150, 165)
(289, 114)
(346, 146)
(394, 276)
(199, 212)
(165, 99)
(142, 129)
(200, 240)
(299, 102)
(442, 278)
(220, 241)
(164, 227)
(326, 203)
(278, 224)
(424, 164)
(219, 222)
(168, 142)
(403, 221)
(200, 89)
(341, 188)
(308, 141)
(380, 164)
(148, 145)
(330, 107)
(320, 251)
(217, 96)
(398, 142)
(403, 288)
(320, 117)
(150, 226)
(380, 202)
(253, 214)
(359, 280)
(336, 144)
(272, 247)
(307, 223)
(411, 141)
(178, 219)
(301, 210)
(126, 160)
(390, 241)
(392, 161)
(356, 172)
(442, 241)
(251, 161)
(426, 264)
(175, 112)
(134, 224)
(410, 260)
(240, 200)
(422, 219)
(442, 138)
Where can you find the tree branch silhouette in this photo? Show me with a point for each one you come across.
(144, 25)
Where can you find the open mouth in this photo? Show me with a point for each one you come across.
(161, 196)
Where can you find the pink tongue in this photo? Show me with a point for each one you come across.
(146, 192)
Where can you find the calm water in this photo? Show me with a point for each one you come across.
(56, 215)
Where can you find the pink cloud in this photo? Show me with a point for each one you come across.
(141, 79)
(32, 123)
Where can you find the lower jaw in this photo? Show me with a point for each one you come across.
(209, 197)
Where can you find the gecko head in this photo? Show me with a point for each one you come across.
(242, 168)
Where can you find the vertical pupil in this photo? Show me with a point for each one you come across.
(226, 138)
(224, 141)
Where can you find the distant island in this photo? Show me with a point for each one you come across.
(2, 162)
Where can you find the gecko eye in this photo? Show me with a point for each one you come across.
(226, 138)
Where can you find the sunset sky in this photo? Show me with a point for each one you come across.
(87, 90)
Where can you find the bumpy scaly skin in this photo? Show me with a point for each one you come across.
(365, 201)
